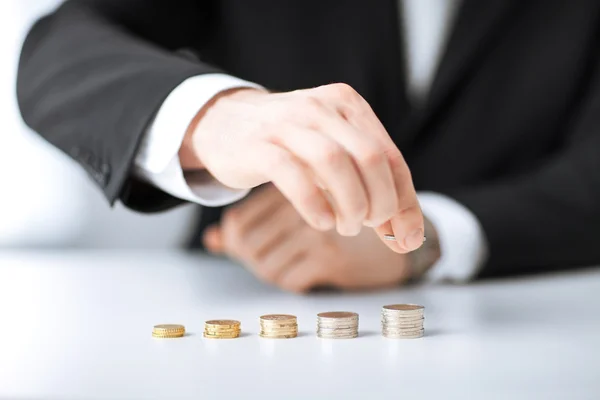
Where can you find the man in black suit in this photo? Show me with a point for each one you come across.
(499, 144)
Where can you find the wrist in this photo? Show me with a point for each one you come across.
(189, 157)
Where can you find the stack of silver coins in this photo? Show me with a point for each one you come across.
(402, 321)
(337, 325)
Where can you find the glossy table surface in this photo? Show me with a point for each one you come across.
(78, 326)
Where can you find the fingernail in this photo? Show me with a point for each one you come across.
(414, 240)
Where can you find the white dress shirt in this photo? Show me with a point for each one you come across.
(426, 25)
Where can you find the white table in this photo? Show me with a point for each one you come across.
(77, 326)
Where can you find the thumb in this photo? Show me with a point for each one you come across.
(213, 239)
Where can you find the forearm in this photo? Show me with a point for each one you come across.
(90, 84)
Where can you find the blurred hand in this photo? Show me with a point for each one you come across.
(269, 237)
(323, 148)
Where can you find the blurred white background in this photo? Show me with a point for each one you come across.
(46, 200)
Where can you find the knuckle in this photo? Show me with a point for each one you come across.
(313, 103)
(297, 287)
(330, 154)
(310, 197)
(359, 209)
(231, 219)
(371, 157)
(344, 91)
(279, 160)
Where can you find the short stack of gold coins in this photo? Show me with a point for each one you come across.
(337, 325)
(168, 331)
(278, 326)
(402, 321)
(222, 329)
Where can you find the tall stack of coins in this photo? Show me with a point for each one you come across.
(278, 326)
(168, 331)
(337, 325)
(402, 321)
(222, 329)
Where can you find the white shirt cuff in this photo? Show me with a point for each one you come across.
(157, 160)
(462, 240)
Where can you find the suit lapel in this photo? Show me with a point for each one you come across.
(476, 25)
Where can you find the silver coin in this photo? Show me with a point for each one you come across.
(403, 308)
(402, 332)
(344, 325)
(389, 238)
(338, 315)
(402, 327)
(415, 336)
(349, 336)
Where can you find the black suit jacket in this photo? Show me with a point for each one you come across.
(511, 129)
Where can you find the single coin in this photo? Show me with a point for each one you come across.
(402, 327)
(270, 336)
(282, 323)
(172, 336)
(168, 331)
(214, 329)
(278, 317)
(389, 238)
(339, 315)
(168, 328)
(279, 331)
(403, 332)
(351, 336)
(220, 337)
(223, 322)
(415, 336)
(404, 308)
(232, 335)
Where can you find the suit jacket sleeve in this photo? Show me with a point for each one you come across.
(549, 217)
(93, 74)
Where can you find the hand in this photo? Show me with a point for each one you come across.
(323, 148)
(268, 235)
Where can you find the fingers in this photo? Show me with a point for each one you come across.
(371, 159)
(293, 246)
(261, 203)
(302, 276)
(296, 183)
(213, 240)
(272, 231)
(335, 169)
(408, 223)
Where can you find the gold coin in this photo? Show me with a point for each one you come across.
(222, 333)
(167, 336)
(220, 336)
(277, 317)
(228, 330)
(168, 330)
(224, 323)
(168, 327)
(291, 336)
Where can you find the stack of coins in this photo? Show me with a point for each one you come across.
(278, 326)
(222, 329)
(168, 331)
(337, 325)
(402, 321)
